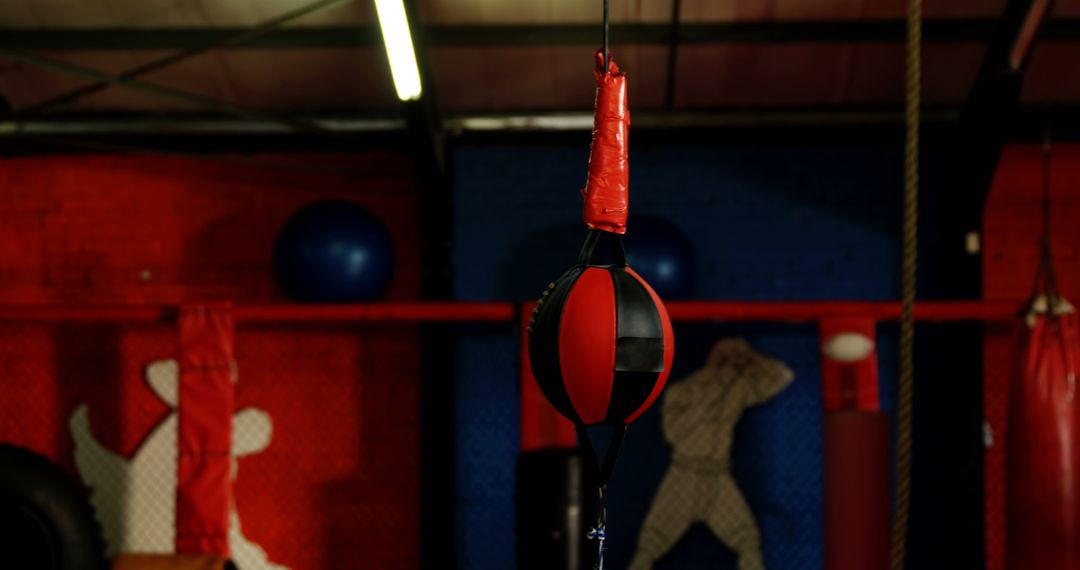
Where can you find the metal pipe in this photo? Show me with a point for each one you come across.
(506, 312)
(366, 36)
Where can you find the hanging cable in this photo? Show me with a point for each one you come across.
(906, 391)
(1047, 274)
(607, 52)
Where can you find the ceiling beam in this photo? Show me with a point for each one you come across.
(572, 121)
(1028, 126)
(986, 122)
(994, 101)
(96, 39)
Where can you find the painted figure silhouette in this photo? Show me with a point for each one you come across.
(699, 417)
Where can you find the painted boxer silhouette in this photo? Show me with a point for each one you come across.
(136, 500)
(699, 417)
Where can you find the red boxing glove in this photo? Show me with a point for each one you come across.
(607, 190)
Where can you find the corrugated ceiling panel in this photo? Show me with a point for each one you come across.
(539, 78)
(23, 84)
(312, 80)
(541, 11)
(818, 74)
(877, 73)
(17, 13)
(1053, 74)
(108, 13)
(352, 12)
(41, 84)
(42, 13)
(308, 80)
(165, 13)
(490, 79)
(204, 75)
(294, 80)
(1067, 8)
(734, 10)
(756, 75)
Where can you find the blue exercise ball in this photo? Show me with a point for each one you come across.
(333, 252)
(662, 254)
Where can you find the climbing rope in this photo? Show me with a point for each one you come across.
(906, 395)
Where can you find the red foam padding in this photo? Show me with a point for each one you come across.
(1043, 451)
(858, 483)
(587, 344)
(204, 482)
(606, 192)
(849, 385)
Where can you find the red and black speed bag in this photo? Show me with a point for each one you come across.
(600, 341)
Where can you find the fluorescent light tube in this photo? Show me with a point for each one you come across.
(399, 48)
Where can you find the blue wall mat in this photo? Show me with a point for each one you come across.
(777, 458)
(769, 223)
(486, 408)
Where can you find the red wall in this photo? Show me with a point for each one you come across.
(1012, 221)
(338, 486)
(83, 229)
(1012, 225)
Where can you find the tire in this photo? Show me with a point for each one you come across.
(46, 522)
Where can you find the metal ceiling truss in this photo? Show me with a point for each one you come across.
(160, 91)
(422, 119)
(230, 40)
(128, 78)
(185, 38)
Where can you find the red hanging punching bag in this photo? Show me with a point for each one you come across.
(1042, 450)
(1043, 447)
